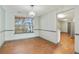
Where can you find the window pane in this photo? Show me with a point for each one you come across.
(23, 25)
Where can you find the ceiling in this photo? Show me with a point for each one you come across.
(69, 15)
(38, 9)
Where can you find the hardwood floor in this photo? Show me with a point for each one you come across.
(39, 46)
(66, 45)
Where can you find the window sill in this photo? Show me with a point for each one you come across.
(24, 33)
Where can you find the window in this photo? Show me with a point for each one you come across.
(23, 24)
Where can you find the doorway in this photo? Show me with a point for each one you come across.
(65, 23)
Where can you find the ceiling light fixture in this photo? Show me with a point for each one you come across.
(61, 15)
(32, 13)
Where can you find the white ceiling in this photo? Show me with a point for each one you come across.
(38, 9)
(69, 14)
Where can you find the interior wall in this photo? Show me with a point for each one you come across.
(76, 29)
(48, 27)
(73, 28)
(10, 27)
(2, 26)
(63, 26)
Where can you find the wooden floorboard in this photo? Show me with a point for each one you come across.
(39, 45)
(66, 45)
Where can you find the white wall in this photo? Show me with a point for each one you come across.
(36, 25)
(63, 26)
(10, 27)
(72, 29)
(77, 29)
(2, 25)
(48, 22)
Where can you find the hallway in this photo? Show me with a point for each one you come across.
(39, 46)
(66, 44)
